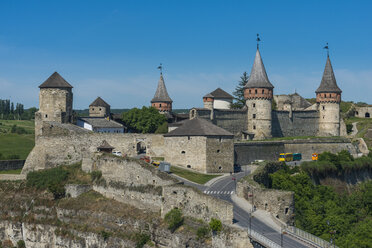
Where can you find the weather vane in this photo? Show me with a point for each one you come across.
(258, 40)
(326, 47)
(160, 67)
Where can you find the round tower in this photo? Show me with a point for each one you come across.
(258, 93)
(55, 102)
(208, 100)
(161, 100)
(328, 98)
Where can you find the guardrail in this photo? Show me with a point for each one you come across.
(262, 239)
(309, 237)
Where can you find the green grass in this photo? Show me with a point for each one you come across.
(6, 125)
(192, 176)
(16, 144)
(11, 171)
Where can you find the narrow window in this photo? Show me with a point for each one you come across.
(255, 91)
(286, 210)
(254, 127)
(263, 91)
(188, 137)
(323, 108)
(250, 92)
(93, 109)
(220, 139)
(254, 116)
(46, 116)
(159, 104)
(254, 105)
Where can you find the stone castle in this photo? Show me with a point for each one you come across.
(292, 115)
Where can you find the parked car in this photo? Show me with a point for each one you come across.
(117, 153)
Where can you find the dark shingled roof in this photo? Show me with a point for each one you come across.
(100, 122)
(258, 77)
(199, 127)
(328, 83)
(55, 81)
(161, 94)
(99, 102)
(219, 93)
(105, 145)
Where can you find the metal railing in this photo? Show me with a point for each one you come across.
(309, 237)
(262, 239)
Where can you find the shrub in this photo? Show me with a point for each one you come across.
(21, 244)
(141, 239)
(53, 180)
(163, 128)
(202, 232)
(349, 128)
(215, 225)
(174, 219)
(96, 175)
(105, 235)
(18, 130)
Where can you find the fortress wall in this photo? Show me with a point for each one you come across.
(51, 151)
(278, 202)
(297, 123)
(196, 204)
(248, 152)
(233, 121)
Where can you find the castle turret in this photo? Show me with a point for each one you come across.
(99, 108)
(328, 98)
(208, 100)
(258, 93)
(218, 99)
(161, 100)
(55, 102)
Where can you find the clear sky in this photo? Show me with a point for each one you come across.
(112, 48)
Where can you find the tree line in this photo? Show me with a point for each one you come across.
(11, 111)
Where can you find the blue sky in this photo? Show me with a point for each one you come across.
(112, 48)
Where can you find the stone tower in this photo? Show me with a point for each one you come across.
(55, 102)
(258, 93)
(99, 108)
(161, 100)
(328, 98)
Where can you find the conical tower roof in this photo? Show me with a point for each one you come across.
(55, 81)
(328, 83)
(258, 77)
(99, 102)
(161, 94)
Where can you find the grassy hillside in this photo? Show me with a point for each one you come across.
(16, 145)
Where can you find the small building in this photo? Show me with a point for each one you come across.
(99, 108)
(363, 112)
(217, 99)
(100, 125)
(200, 145)
(105, 147)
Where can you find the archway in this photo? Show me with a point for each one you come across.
(367, 115)
(141, 148)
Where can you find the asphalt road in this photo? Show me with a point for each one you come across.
(220, 190)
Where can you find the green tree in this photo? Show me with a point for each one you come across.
(215, 225)
(239, 100)
(174, 219)
(145, 120)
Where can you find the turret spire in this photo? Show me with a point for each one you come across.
(258, 77)
(328, 83)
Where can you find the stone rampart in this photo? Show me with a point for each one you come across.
(247, 152)
(196, 204)
(295, 123)
(277, 202)
(11, 164)
(59, 148)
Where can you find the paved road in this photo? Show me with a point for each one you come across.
(241, 217)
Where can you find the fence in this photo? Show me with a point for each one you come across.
(309, 237)
(262, 239)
